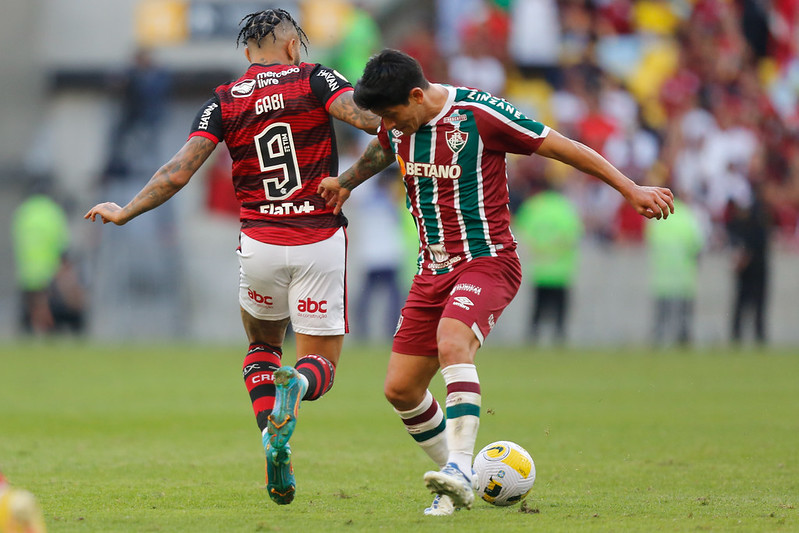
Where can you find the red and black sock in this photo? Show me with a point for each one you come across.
(319, 372)
(258, 370)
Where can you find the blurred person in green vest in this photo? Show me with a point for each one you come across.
(360, 39)
(51, 295)
(550, 228)
(674, 249)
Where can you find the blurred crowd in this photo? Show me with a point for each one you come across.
(700, 96)
(697, 95)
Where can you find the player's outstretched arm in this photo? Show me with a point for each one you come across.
(344, 108)
(651, 202)
(168, 180)
(335, 191)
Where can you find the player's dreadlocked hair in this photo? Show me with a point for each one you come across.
(258, 25)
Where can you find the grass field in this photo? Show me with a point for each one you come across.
(162, 438)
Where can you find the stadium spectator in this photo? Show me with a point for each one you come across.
(749, 228)
(51, 293)
(144, 90)
(674, 247)
(549, 226)
(594, 130)
(451, 144)
(534, 39)
(360, 38)
(379, 248)
(275, 121)
(568, 102)
(474, 66)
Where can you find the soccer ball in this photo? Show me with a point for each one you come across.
(505, 473)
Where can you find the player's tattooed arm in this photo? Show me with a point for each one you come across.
(167, 181)
(374, 159)
(335, 191)
(344, 108)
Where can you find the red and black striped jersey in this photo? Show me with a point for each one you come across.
(275, 122)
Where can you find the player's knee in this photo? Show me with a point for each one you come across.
(398, 396)
(453, 350)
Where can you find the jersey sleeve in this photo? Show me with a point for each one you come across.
(509, 130)
(208, 122)
(327, 84)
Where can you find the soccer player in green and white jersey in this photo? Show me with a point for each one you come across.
(450, 143)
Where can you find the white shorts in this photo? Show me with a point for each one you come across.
(305, 282)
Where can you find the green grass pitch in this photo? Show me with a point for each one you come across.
(161, 438)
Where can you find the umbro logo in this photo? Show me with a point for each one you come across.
(463, 302)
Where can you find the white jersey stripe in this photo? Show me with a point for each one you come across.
(456, 184)
(439, 220)
(416, 206)
(481, 197)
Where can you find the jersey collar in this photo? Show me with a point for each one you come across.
(447, 105)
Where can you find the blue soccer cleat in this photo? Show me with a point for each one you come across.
(289, 390)
(451, 481)
(280, 475)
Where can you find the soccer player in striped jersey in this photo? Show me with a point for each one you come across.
(451, 144)
(276, 122)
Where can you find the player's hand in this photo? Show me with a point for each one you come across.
(108, 212)
(333, 193)
(652, 202)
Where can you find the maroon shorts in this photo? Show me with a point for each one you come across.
(476, 294)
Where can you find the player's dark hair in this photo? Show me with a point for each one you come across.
(258, 25)
(388, 79)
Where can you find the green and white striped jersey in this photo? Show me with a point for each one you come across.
(454, 168)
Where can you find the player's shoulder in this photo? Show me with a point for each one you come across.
(484, 100)
(471, 95)
(258, 76)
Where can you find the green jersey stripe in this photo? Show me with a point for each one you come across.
(427, 195)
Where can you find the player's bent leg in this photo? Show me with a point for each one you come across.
(308, 380)
(405, 388)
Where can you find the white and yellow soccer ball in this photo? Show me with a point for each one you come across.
(505, 473)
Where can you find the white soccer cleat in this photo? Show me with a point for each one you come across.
(451, 481)
(442, 506)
